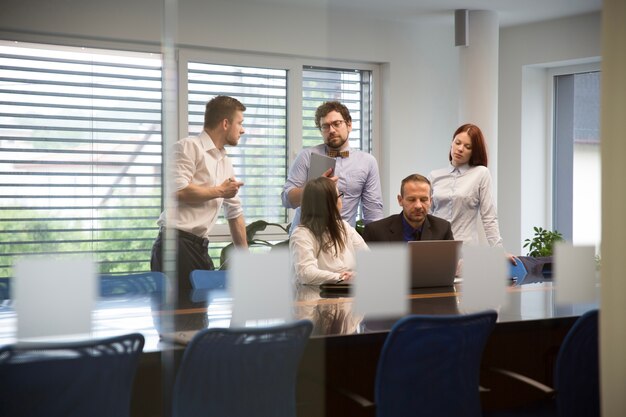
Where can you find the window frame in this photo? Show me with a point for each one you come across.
(183, 53)
(552, 159)
(294, 67)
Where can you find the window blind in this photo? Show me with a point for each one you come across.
(260, 158)
(80, 154)
(352, 87)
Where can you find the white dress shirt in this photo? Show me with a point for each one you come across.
(315, 267)
(199, 162)
(462, 195)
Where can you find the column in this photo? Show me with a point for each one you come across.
(478, 86)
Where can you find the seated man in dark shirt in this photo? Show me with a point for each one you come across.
(414, 222)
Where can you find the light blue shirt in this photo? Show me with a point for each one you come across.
(358, 180)
(463, 197)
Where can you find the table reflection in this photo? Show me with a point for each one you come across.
(330, 316)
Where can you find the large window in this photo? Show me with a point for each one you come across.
(80, 154)
(577, 186)
(81, 146)
(261, 158)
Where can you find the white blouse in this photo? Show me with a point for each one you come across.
(315, 269)
(463, 197)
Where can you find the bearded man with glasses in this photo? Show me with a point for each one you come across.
(355, 174)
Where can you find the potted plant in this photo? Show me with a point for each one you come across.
(541, 248)
(542, 242)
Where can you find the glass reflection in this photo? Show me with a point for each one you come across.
(330, 316)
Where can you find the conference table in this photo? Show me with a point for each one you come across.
(342, 353)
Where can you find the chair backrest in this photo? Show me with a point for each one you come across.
(207, 280)
(5, 288)
(141, 283)
(241, 372)
(430, 366)
(71, 380)
(576, 377)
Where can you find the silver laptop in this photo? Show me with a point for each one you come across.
(434, 262)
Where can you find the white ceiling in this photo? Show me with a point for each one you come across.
(510, 12)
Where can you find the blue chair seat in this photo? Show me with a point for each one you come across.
(142, 283)
(207, 280)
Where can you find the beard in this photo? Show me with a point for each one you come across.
(336, 141)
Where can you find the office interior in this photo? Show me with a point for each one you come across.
(422, 93)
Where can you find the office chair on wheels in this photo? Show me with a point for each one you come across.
(576, 391)
(430, 366)
(92, 378)
(241, 372)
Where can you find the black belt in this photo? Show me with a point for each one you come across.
(189, 236)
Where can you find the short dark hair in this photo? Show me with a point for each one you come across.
(220, 108)
(479, 146)
(329, 106)
(415, 178)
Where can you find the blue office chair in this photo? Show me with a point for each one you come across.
(430, 366)
(5, 288)
(241, 372)
(202, 279)
(141, 283)
(91, 378)
(576, 390)
(576, 377)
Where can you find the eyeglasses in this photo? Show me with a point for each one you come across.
(340, 195)
(336, 125)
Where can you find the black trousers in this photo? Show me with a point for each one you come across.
(191, 253)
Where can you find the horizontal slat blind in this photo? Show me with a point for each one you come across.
(260, 158)
(353, 88)
(80, 154)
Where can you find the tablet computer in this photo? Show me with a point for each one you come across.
(319, 164)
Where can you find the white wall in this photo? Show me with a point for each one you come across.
(524, 177)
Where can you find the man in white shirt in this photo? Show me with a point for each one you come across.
(205, 180)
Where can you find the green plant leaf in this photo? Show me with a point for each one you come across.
(542, 243)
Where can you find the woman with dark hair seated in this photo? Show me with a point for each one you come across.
(323, 246)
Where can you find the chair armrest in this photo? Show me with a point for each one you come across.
(526, 380)
(354, 397)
